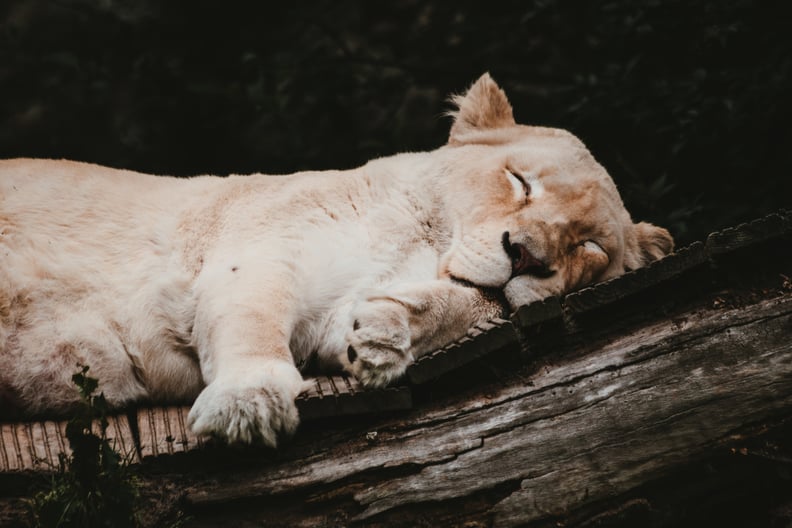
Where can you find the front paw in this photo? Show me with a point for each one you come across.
(379, 343)
(258, 409)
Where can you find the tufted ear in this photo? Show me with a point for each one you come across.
(483, 106)
(652, 243)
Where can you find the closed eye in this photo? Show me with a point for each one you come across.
(521, 187)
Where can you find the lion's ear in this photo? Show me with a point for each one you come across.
(652, 243)
(483, 106)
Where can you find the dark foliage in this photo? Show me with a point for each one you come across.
(92, 487)
(685, 102)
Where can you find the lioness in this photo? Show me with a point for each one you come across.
(216, 289)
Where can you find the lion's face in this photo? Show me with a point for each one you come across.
(532, 209)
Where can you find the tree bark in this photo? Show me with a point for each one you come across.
(589, 423)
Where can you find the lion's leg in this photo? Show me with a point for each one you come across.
(241, 332)
(393, 329)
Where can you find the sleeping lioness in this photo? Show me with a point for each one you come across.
(215, 289)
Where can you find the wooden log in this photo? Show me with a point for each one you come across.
(154, 431)
(591, 425)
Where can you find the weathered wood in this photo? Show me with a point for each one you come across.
(344, 395)
(37, 445)
(164, 431)
(479, 341)
(636, 281)
(121, 436)
(765, 228)
(596, 428)
(613, 415)
(536, 313)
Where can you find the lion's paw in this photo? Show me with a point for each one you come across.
(255, 410)
(379, 343)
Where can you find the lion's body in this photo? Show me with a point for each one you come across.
(174, 288)
(102, 267)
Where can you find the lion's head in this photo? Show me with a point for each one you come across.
(544, 218)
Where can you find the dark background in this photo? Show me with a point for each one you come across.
(685, 102)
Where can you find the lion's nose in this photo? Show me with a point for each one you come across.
(523, 261)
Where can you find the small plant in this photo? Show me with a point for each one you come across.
(93, 486)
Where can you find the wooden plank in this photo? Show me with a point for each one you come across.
(316, 402)
(36, 445)
(119, 435)
(164, 431)
(635, 281)
(343, 395)
(759, 230)
(540, 312)
(487, 338)
(10, 454)
(6, 451)
(23, 446)
(55, 433)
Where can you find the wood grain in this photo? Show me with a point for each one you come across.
(637, 281)
(344, 395)
(482, 340)
(164, 431)
(768, 227)
(611, 416)
(37, 445)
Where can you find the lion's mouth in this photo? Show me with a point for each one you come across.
(523, 261)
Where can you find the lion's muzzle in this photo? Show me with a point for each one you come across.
(523, 261)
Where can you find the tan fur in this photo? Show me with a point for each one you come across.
(215, 289)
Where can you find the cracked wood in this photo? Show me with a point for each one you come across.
(607, 417)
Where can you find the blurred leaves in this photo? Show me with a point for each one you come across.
(685, 102)
(92, 486)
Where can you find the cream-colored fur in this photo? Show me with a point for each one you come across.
(216, 288)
